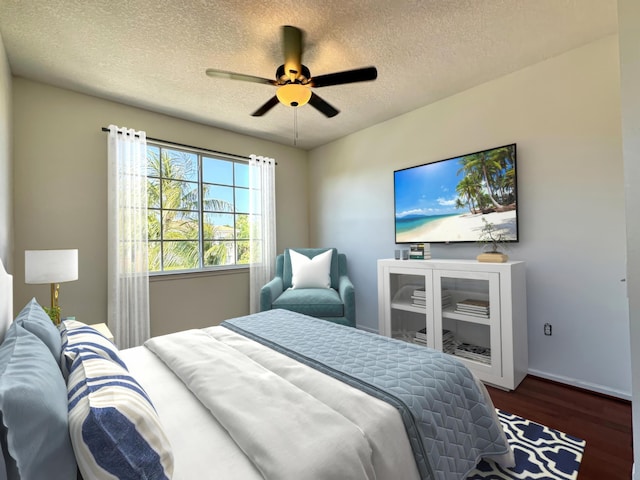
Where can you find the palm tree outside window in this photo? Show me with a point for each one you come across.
(198, 210)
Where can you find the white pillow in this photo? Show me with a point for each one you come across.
(310, 272)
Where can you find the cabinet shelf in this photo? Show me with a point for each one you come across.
(408, 307)
(497, 289)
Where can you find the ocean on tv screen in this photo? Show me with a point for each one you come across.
(463, 227)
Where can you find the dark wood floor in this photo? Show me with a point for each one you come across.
(604, 422)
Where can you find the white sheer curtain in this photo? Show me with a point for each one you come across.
(262, 221)
(128, 277)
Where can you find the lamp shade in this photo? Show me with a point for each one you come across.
(50, 266)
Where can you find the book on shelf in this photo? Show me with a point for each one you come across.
(419, 297)
(472, 314)
(477, 308)
(479, 358)
(420, 337)
(422, 334)
(425, 256)
(448, 341)
(472, 309)
(473, 352)
(471, 348)
(419, 251)
(473, 303)
(446, 299)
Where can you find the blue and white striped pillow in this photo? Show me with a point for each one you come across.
(115, 430)
(77, 336)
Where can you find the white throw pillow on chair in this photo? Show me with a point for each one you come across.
(311, 272)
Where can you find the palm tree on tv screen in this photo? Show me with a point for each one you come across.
(490, 178)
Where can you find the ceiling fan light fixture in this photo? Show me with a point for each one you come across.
(293, 94)
(294, 79)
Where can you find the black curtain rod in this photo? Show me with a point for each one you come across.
(104, 129)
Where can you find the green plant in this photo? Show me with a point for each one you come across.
(491, 239)
(54, 313)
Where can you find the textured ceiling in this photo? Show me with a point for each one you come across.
(153, 53)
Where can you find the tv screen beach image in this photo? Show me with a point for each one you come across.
(446, 201)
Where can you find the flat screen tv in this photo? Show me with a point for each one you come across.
(445, 201)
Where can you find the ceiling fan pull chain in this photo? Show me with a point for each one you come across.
(295, 126)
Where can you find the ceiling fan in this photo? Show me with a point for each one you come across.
(294, 79)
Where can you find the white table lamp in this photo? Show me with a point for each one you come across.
(51, 266)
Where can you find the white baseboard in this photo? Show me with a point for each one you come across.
(580, 384)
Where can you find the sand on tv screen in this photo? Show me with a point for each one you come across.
(446, 201)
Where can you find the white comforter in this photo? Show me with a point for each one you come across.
(252, 413)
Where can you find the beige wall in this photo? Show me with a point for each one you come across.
(564, 115)
(6, 237)
(60, 201)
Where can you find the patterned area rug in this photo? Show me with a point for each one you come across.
(541, 453)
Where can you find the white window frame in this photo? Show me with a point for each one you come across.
(200, 211)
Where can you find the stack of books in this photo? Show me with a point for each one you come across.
(476, 308)
(421, 337)
(419, 298)
(446, 299)
(474, 352)
(420, 251)
(448, 342)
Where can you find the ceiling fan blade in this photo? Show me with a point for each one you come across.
(324, 107)
(292, 48)
(272, 102)
(212, 72)
(348, 76)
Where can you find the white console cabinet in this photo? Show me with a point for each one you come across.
(475, 311)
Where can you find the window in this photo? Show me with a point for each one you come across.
(198, 209)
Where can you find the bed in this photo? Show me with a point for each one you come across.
(275, 395)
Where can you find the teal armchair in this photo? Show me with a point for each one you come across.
(336, 304)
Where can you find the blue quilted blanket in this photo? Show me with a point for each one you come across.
(449, 424)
